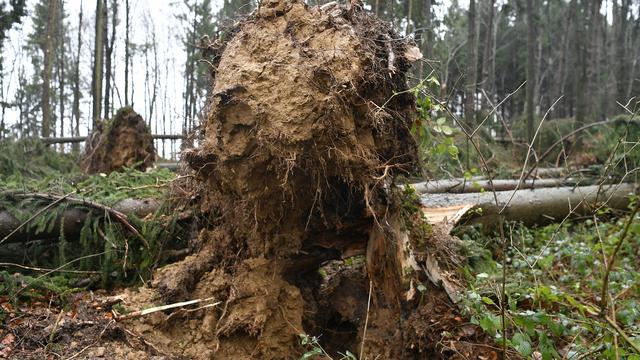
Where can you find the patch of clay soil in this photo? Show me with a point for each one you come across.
(124, 141)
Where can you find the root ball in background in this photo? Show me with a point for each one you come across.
(124, 141)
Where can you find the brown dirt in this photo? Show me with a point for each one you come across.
(83, 329)
(125, 141)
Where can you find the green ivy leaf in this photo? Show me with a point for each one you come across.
(522, 344)
(453, 151)
(487, 301)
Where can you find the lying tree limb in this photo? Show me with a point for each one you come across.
(534, 207)
(471, 186)
(71, 220)
(537, 206)
(4, 238)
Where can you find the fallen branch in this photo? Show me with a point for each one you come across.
(473, 186)
(531, 207)
(71, 220)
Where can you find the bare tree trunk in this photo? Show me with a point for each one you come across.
(531, 70)
(621, 16)
(76, 83)
(409, 4)
(487, 58)
(426, 34)
(47, 114)
(3, 103)
(154, 93)
(633, 65)
(127, 55)
(109, 44)
(72, 220)
(97, 62)
(61, 71)
(581, 71)
(564, 58)
(533, 207)
(472, 67)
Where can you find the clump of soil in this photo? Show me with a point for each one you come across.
(309, 125)
(124, 141)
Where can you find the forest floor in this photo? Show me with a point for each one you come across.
(553, 282)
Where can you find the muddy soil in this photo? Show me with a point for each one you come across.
(124, 141)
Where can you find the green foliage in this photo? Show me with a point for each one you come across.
(413, 218)
(314, 350)
(30, 158)
(34, 288)
(104, 245)
(553, 285)
(433, 130)
(10, 16)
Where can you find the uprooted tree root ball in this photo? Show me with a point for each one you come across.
(124, 141)
(309, 125)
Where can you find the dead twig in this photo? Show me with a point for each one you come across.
(155, 309)
(366, 321)
(33, 268)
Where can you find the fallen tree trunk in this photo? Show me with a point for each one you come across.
(473, 186)
(70, 221)
(531, 207)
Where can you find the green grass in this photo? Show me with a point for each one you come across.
(553, 287)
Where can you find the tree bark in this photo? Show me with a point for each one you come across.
(98, 58)
(487, 58)
(76, 83)
(47, 114)
(472, 67)
(471, 186)
(535, 207)
(127, 55)
(61, 70)
(72, 220)
(531, 70)
(581, 55)
(109, 45)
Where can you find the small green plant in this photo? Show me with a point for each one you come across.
(314, 349)
(433, 130)
(553, 290)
